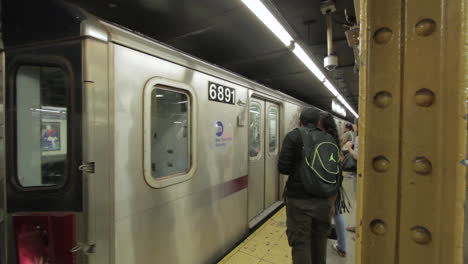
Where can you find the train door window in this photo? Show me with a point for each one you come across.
(273, 129)
(170, 133)
(41, 132)
(255, 130)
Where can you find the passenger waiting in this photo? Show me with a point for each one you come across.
(348, 136)
(308, 213)
(327, 123)
(354, 152)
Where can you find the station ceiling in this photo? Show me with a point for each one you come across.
(228, 34)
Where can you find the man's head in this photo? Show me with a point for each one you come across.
(309, 116)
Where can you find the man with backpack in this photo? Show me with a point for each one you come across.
(311, 158)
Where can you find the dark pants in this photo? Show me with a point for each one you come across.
(308, 224)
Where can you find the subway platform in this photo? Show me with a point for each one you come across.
(269, 245)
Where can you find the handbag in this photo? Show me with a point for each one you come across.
(349, 164)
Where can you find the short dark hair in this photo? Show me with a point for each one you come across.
(349, 126)
(309, 116)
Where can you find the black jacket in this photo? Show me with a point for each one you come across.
(288, 162)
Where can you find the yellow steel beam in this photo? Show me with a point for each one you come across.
(380, 78)
(412, 131)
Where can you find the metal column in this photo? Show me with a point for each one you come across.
(412, 131)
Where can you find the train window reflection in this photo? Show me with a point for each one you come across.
(41, 112)
(273, 129)
(255, 138)
(170, 134)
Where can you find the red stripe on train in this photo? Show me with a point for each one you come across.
(235, 185)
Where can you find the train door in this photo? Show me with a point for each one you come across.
(256, 187)
(40, 184)
(271, 153)
(263, 154)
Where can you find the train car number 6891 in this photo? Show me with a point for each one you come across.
(220, 93)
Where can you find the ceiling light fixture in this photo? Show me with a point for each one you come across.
(260, 10)
(330, 87)
(302, 55)
(343, 101)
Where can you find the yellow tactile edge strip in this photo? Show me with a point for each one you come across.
(267, 245)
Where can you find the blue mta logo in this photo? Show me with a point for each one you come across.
(219, 128)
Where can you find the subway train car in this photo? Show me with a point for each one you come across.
(120, 149)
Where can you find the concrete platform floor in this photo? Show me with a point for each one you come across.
(269, 245)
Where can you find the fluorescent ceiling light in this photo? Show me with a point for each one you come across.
(330, 87)
(259, 9)
(302, 55)
(343, 101)
(46, 110)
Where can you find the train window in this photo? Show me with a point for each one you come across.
(41, 113)
(255, 130)
(170, 133)
(273, 129)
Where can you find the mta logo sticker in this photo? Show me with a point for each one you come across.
(219, 128)
(223, 134)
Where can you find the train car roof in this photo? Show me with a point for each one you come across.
(106, 31)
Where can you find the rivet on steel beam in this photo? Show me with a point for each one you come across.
(378, 227)
(421, 235)
(383, 35)
(422, 165)
(383, 99)
(425, 27)
(381, 164)
(424, 97)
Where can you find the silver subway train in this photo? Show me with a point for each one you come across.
(119, 149)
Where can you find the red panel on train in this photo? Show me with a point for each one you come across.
(44, 239)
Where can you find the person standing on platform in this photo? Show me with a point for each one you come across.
(348, 135)
(309, 197)
(327, 124)
(354, 151)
